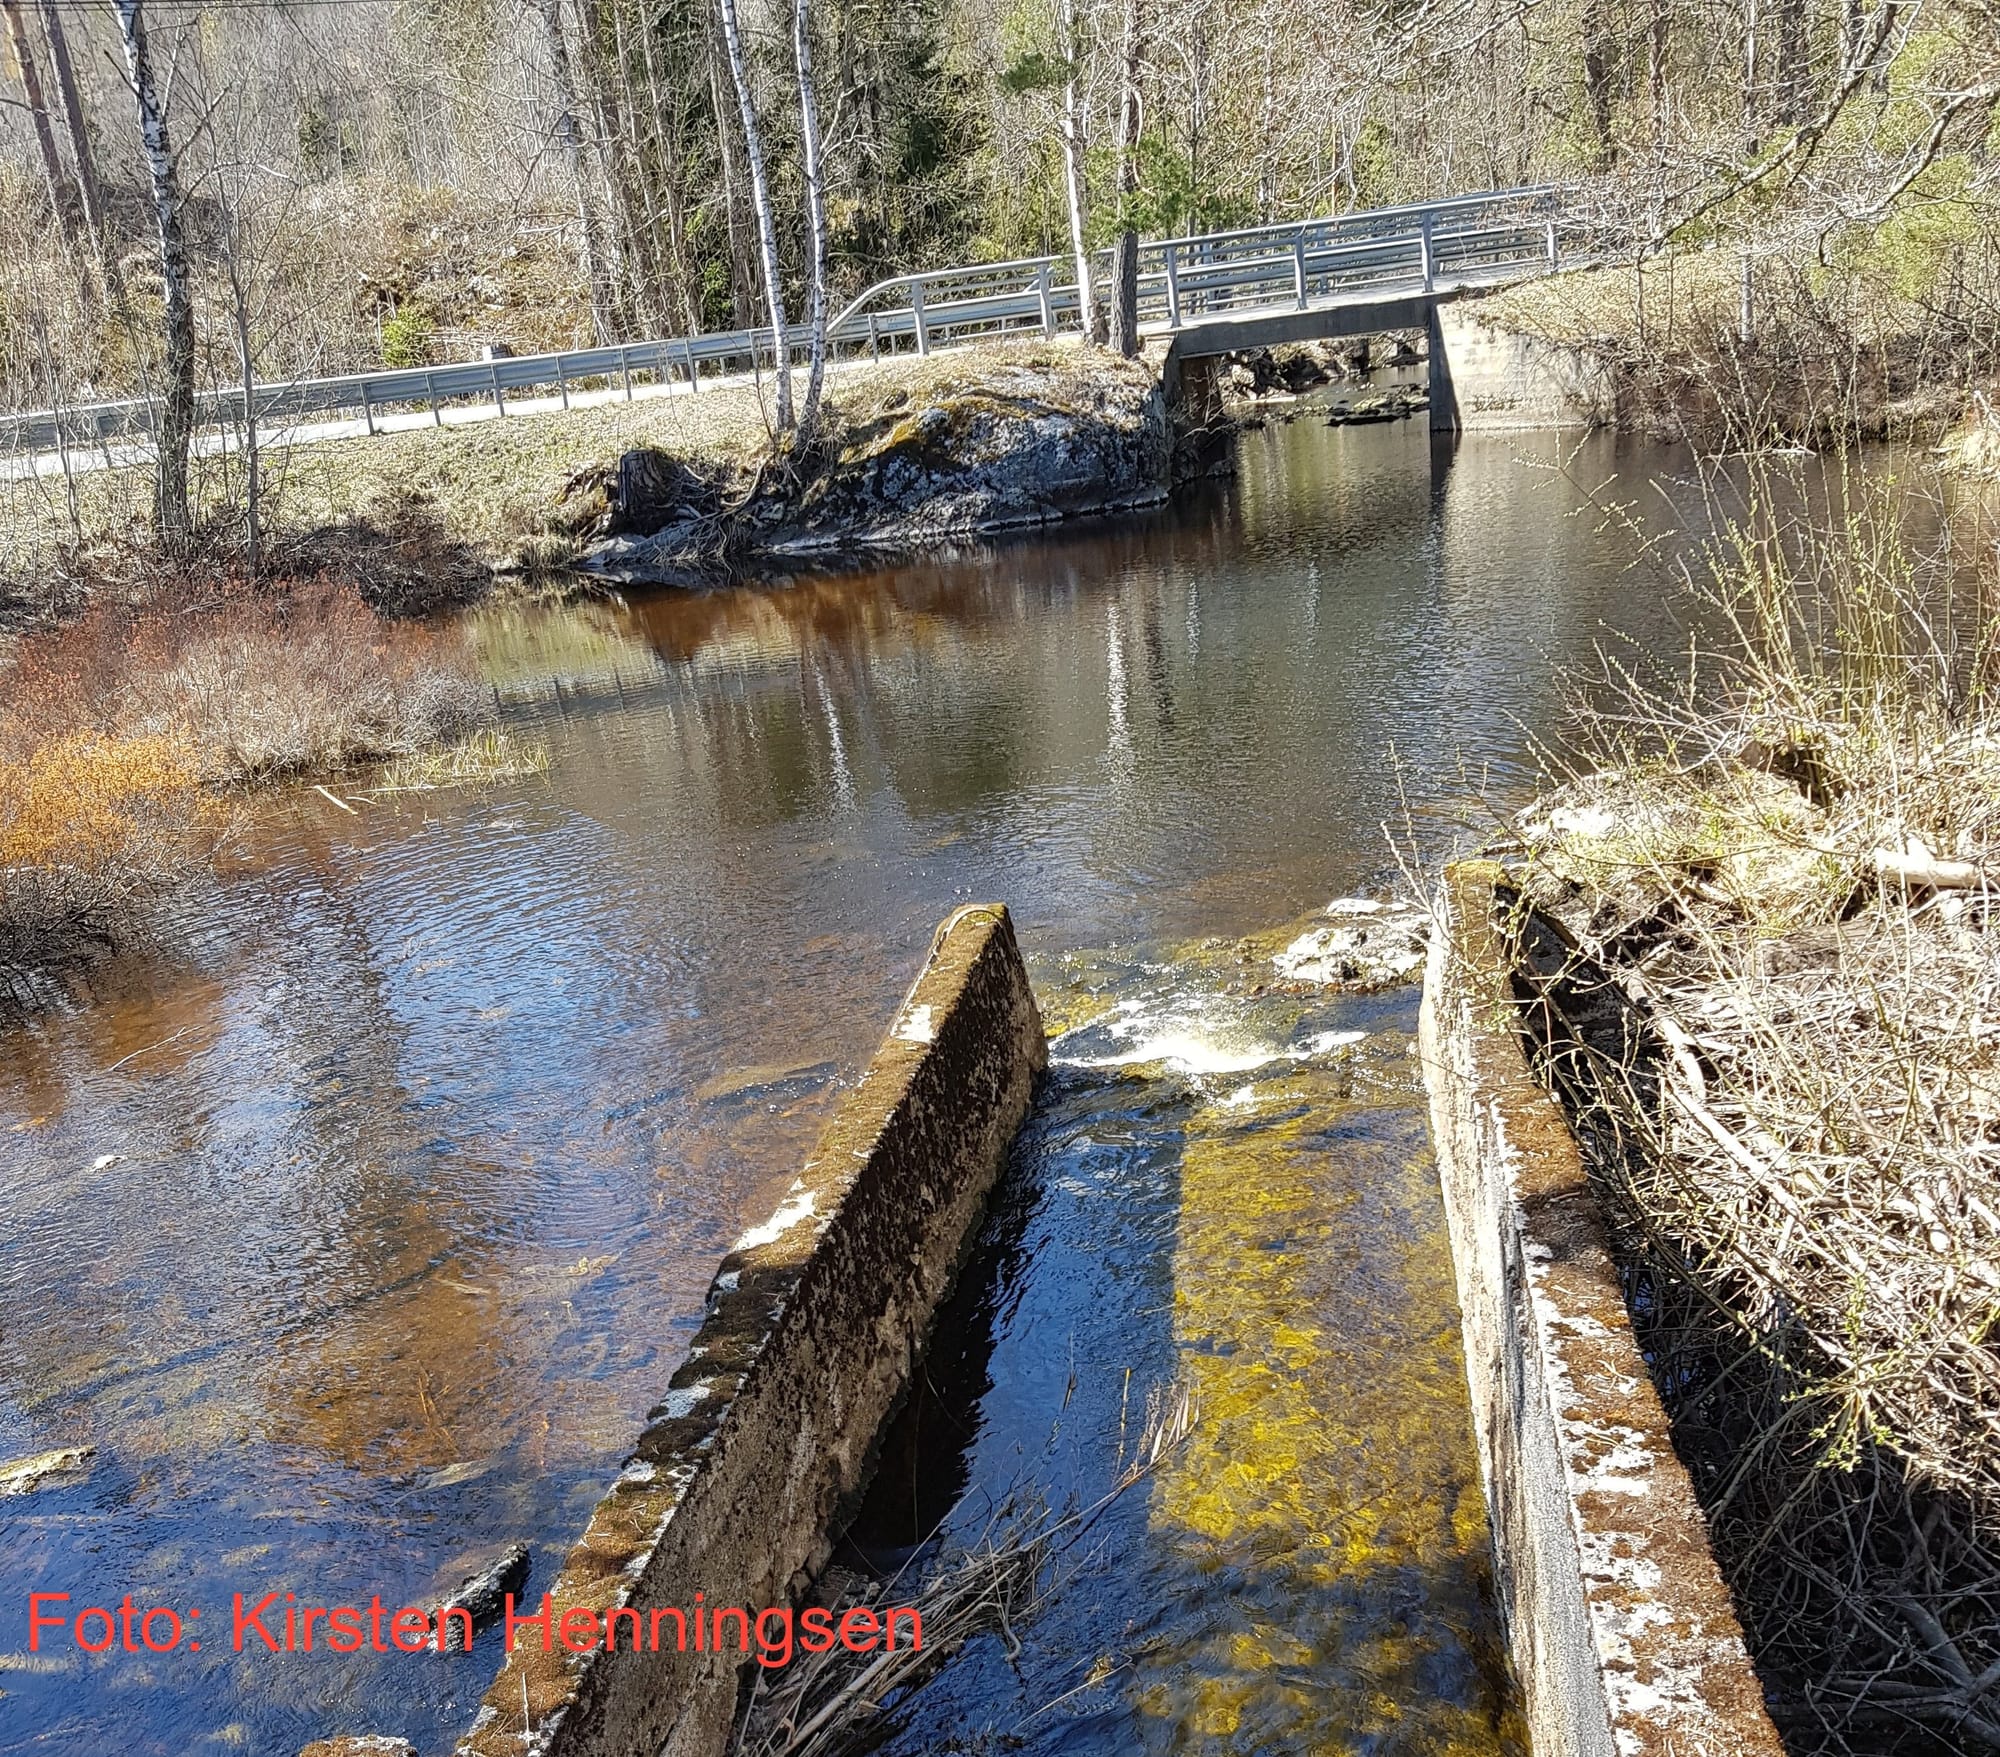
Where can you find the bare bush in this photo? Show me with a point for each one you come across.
(1758, 925)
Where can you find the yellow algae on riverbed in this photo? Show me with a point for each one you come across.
(1329, 1489)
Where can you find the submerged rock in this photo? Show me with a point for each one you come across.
(21, 1476)
(483, 1595)
(1367, 945)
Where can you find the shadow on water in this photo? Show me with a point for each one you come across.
(1228, 1190)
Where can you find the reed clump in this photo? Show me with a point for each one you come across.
(1760, 947)
(122, 731)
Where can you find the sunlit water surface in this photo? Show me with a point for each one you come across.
(358, 1227)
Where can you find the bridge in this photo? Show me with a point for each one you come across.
(1350, 274)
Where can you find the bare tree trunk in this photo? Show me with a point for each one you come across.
(1597, 80)
(1657, 42)
(760, 199)
(1267, 123)
(742, 270)
(629, 157)
(1125, 259)
(246, 366)
(1746, 315)
(38, 114)
(666, 186)
(570, 138)
(113, 283)
(1072, 140)
(815, 208)
(1793, 55)
(175, 431)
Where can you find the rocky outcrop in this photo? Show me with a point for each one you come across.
(1027, 440)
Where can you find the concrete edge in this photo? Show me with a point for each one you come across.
(813, 1323)
(1623, 1635)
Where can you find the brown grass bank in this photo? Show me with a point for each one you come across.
(125, 732)
(1760, 921)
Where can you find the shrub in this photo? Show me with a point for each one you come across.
(255, 684)
(89, 826)
(117, 727)
(408, 337)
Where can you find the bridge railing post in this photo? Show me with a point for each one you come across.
(1047, 303)
(1552, 246)
(1173, 289)
(1425, 258)
(1299, 266)
(917, 310)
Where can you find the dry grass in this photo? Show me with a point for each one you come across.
(1759, 912)
(471, 499)
(253, 683)
(488, 755)
(826, 1704)
(118, 728)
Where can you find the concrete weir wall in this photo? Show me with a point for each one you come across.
(813, 1324)
(1623, 1635)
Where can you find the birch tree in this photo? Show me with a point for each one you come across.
(1073, 147)
(174, 430)
(815, 179)
(760, 200)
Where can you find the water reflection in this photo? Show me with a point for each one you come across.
(1227, 1188)
(359, 1226)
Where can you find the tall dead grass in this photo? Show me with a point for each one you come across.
(253, 682)
(119, 730)
(1758, 931)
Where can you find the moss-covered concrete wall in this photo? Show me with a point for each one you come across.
(1623, 1636)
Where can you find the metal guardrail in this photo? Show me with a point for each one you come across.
(1379, 253)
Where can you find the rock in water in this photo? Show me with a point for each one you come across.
(360, 1745)
(21, 1476)
(482, 1595)
(1367, 945)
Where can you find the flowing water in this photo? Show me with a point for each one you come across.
(359, 1224)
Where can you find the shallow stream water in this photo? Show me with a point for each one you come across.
(358, 1225)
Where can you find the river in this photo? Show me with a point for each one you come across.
(358, 1223)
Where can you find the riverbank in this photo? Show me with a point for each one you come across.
(1660, 349)
(127, 734)
(1754, 923)
(681, 487)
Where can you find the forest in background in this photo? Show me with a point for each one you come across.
(369, 182)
